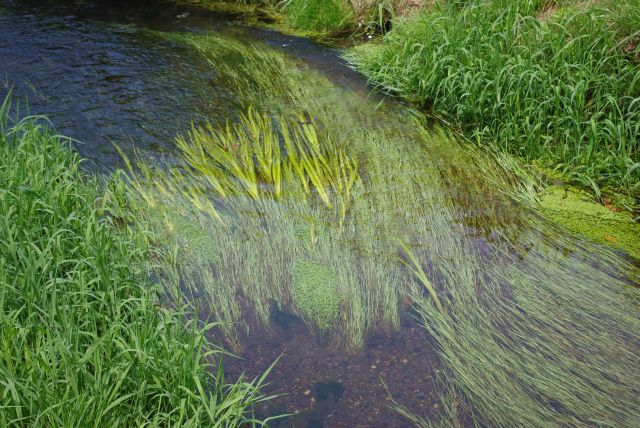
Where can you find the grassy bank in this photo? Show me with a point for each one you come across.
(84, 340)
(318, 18)
(556, 84)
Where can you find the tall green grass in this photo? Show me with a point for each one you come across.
(317, 15)
(563, 90)
(316, 18)
(85, 339)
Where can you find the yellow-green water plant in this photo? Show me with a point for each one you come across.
(249, 157)
(243, 156)
(414, 266)
(321, 163)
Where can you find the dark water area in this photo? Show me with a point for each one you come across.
(326, 387)
(95, 70)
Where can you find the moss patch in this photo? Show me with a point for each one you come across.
(315, 293)
(577, 211)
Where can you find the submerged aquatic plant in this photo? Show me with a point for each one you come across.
(248, 189)
(240, 157)
(535, 333)
(253, 200)
(315, 293)
(416, 269)
(249, 157)
(321, 164)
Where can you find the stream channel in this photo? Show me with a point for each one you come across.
(139, 76)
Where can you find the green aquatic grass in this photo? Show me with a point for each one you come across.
(315, 293)
(84, 338)
(238, 158)
(248, 157)
(539, 331)
(251, 242)
(413, 264)
(562, 90)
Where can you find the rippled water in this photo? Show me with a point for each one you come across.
(100, 74)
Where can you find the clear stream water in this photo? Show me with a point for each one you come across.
(102, 74)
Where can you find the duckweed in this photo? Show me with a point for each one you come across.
(579, 213)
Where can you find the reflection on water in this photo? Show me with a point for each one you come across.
(101, 83)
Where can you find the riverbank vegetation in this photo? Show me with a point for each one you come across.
(557, 84)
(321, 19)
(85, 337)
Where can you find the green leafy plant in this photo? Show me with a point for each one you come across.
(85, 338)
(561, 90)
(316, 15)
